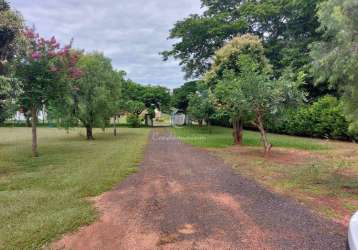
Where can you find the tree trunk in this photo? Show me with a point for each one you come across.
(34, 131)
(209, 126)
(200, 123)
(28, 121)
(264, 139)
(238, 126)
(27, 115)
(146, 117)
(89, 133)
(115, 126)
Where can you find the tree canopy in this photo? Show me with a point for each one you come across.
(201, 106)
(97, 93)
(245, 87)
(44, 70)
(336, 56)
(286, 27)
(149, 95)
(156, 96)
(180, 97)
(11, 26)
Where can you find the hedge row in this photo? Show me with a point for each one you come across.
(323, 119)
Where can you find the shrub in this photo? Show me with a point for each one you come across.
(324, 119)
(133, 121)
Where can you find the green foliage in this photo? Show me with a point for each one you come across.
(138, 98)
(180, 97)
(11, 25)
(244, 86)
(324, 118)
(287, 28)
(96, 95)
(132, 91)
(7, 94)
(221, 118)
(238, 68)
(157, 96)
(235, 56)
(44, 70)
(134, 120)
(201, 106)
(336, 56)
(244, 89)
(351, 108)
(135, 107)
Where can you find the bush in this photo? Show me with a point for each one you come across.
(134, 121)
(324, 119)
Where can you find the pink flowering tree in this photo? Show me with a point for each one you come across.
(46, 71)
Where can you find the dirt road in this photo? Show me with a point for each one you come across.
(185, 198)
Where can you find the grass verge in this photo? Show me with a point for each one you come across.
(218, 137)
(42, 198)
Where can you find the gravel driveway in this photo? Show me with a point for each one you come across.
(185, 198)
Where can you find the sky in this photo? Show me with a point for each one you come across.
(130, 32)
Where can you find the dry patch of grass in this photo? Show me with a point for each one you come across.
(325, 180)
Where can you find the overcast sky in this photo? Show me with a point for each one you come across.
(130, 32)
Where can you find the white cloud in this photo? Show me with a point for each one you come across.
(131, 33)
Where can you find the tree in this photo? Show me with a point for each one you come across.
(156, 96)
(227, 62)
(336, 56)
(140, 97)
(44, 70)
(245, 88)
(9, 89)
(5, 89)
(149, 95)
(180, 97)
(286, 28)
(132, 91)
(97, 93)
(135, 108)
(11, 26)
(201, 107)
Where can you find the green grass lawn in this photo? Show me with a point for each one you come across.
(42, 198)
(218, 137)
